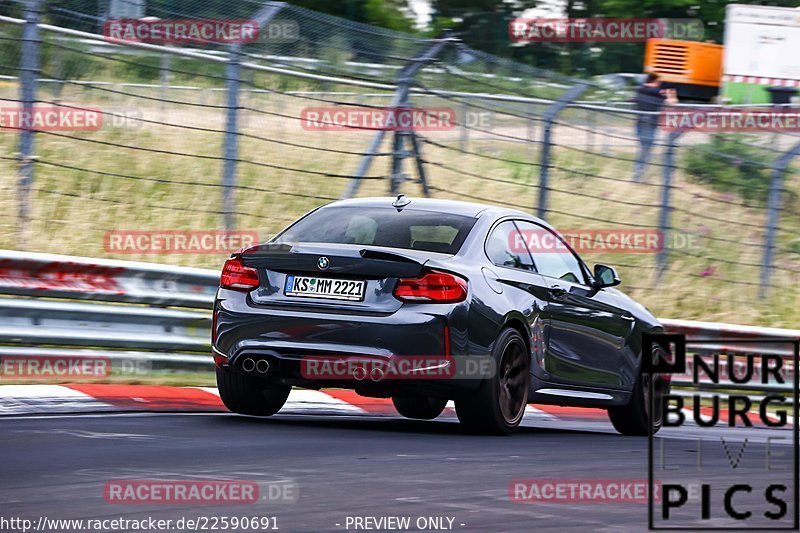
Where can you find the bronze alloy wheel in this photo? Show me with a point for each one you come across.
(636, 417)
(512, 375)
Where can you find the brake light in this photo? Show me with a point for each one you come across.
(238, 277)
(432, 286)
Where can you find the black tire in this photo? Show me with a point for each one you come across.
(419, 407)
(496, 408)
(247, 395)
(634, 419)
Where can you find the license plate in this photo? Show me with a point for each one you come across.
(330, 288)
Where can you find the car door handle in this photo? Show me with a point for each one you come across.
(628, 317)
(557, 290)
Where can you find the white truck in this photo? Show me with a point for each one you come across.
(762, 51)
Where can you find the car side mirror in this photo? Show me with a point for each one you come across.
(605, 276)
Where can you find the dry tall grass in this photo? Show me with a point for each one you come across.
(125, 185)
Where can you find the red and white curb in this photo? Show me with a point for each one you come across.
(84, 398)
(92, 398)
(760, 80)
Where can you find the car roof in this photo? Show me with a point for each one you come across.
(456, 207)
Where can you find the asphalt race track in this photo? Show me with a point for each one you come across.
(343, 466)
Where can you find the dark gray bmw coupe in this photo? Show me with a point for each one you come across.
(426, 301)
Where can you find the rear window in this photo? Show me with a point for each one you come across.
(382, 226)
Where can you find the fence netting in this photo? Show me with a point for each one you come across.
(157, 161)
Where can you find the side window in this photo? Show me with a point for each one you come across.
(506, 248)
(551, 254)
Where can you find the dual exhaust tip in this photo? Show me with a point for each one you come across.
(262, 367)
(249, 365)
(360, 374)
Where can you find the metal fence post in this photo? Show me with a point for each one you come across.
(662, 256)
(366, 161)
(773, 208)
(102, 15)
(29, 72)
(398, 143)
(549, 117)
(400, 101)
(464, 126)
(231, 149)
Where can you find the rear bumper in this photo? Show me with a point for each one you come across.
(288, 338)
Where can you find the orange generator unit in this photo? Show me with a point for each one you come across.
(693, 68)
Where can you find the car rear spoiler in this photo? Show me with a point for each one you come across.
(343, 259)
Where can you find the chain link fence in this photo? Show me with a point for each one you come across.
(210, 136)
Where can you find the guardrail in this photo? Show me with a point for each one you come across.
(54, 305)
(712, 338)
(80, 278)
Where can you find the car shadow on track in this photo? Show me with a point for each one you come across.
(390, 425)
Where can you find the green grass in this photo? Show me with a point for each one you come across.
(71, 210)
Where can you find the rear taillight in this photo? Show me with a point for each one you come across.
(238, 277)
(432, 286)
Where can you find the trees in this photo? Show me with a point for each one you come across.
(482, 24)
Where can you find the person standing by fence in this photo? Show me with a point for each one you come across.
(649, 100)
